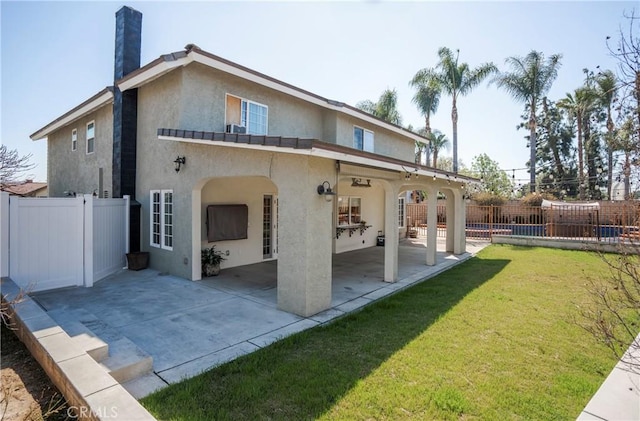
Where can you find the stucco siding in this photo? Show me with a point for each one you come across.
(385, 142)
(204, 100)
(76, 171)
(159, 106)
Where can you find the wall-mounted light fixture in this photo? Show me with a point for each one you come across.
(357, 182)
(324, 189)
(180, 160)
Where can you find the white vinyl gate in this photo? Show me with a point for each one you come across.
(61, 242)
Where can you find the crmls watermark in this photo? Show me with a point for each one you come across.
(102, 412)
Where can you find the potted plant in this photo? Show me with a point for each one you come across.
(211, 259)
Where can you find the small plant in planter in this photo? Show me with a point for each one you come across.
(211, 259)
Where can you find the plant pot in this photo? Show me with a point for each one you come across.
(210, 270)
(138, 260)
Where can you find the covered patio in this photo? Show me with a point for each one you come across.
(188, 327)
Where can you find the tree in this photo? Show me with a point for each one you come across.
(12, 165)
(628, 141)
(528, 81)
(555, 150)
(427, 98)
(455, 79)
(492, 179)
(385, 109)
(628, 55)
(606, 91)
(437, 141)
(613, 313)
(580, 105)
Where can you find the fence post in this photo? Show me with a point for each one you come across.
(490, 221)
(4, 234)
(127, 222)
(87, 203)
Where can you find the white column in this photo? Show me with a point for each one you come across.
(87, 202)
(460, 242)
(451, 221)
(391, 232)
(127, 222)
(4, 234)
(432, 225)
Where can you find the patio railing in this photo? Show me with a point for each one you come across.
(610, 223)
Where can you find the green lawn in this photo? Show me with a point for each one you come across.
(493, 338)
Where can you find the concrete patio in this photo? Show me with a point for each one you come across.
(168, 329)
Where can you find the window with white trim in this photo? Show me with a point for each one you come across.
(362, 139)
(91, 137)
(401, 212)
(161, 217)
(349, 210)
(74, 139)
(248, 114)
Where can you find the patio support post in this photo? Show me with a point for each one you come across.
(391, 232)
(305, 235)
(432, 224)
(451, 221)
(460, 234)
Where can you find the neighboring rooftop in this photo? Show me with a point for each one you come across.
(23, 188)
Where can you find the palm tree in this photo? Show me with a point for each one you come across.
(386, 108)
(437, 141)
(606, 85)
(579, 105)
(528, 81)
(427, 98)
(456, 79)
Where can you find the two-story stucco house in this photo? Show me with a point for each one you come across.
(216, 153)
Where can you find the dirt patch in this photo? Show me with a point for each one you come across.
(26, 393)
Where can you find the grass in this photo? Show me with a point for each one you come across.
(493, 338)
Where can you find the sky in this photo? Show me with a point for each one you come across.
(55, 55)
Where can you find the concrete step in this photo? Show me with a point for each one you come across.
(71, 321)
(127, 361)
(120, 357)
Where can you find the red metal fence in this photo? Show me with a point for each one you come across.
(609, 222)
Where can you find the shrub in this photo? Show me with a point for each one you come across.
(488, 199)
(535, 198)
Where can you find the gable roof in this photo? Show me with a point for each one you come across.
(169, 62)
(103, 97)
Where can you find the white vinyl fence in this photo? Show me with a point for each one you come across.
(60, 242)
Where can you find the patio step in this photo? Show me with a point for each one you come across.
(126, 360)
(83, 337)
(120, 357)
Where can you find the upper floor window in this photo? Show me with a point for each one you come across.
(74, 139)
(362, 139)
(248, 114)
(91, 137)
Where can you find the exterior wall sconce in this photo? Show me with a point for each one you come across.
(324, 189)
(180, 160)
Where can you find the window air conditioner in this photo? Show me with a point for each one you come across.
(235, 128)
